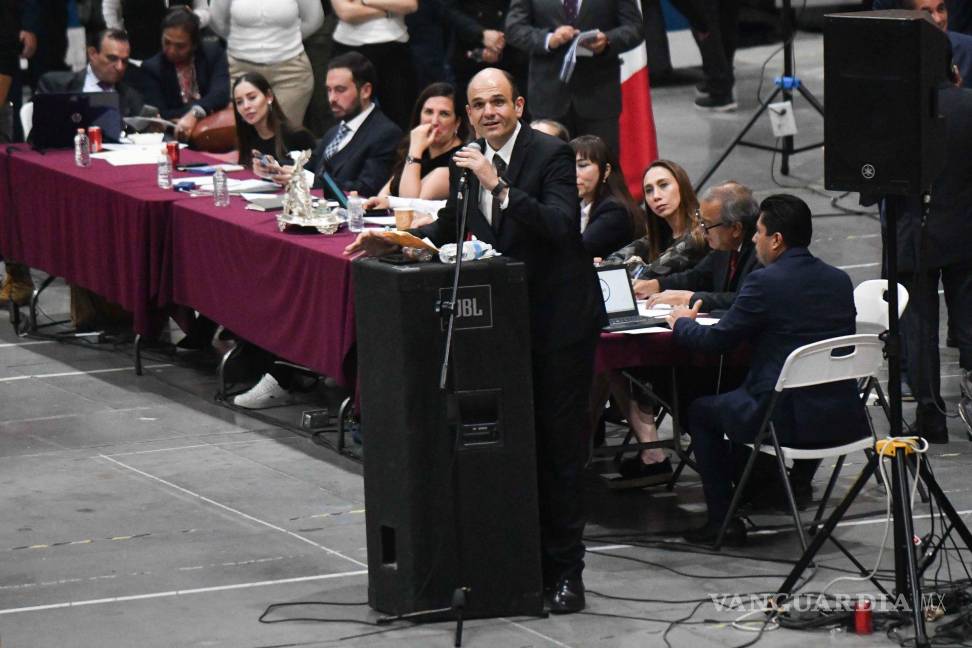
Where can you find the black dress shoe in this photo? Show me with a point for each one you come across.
(707, 535)
(567, 596)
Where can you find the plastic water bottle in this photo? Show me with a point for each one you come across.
(163, 174)
(355, 212)
(82, 149)
(220, 188)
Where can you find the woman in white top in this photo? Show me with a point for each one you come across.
(266, 37)
(376, 29)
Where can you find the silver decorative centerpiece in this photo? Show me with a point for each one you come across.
(300, 209)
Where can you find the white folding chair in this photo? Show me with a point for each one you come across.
(872, 317)
(843, 358)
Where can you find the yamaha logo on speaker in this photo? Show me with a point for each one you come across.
(868, 171)
(474, 306)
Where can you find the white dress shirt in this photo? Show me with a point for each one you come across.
(505, 153)
(353, 126)
(385, 29)
(265, 31)
(585, 215)
(91, 82)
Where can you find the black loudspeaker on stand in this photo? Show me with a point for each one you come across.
(884, 136)
(786, 85)
(450, 478)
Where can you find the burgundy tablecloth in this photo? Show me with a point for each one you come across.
(289, 293)
(104, 228)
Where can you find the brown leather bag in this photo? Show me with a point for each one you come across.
(215, 133)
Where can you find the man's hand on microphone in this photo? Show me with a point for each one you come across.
(472, 159)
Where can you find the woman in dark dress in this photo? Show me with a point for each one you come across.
(421, 167)
(609, 216)
(261, 126)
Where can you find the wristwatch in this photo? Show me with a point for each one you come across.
(412, 160)
(198, 111)
(501, 184)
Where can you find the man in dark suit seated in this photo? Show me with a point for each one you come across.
(189, 78)
(795, 299)
(728, 216)
(359, 150)
(107, 61)
(524, 203)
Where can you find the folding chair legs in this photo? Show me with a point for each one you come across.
(827, 493)
(788, 489)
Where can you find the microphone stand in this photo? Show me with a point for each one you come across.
(447, 309)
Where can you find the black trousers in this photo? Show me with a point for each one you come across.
(920, 323)
(561, 392)
(720, 25)
(605, 128)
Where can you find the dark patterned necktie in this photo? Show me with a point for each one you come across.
(570, 8)
(733, 263)
(500, 167)
(334, 144)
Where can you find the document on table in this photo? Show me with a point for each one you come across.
(383, 221)
(253, 185)
(129, 156)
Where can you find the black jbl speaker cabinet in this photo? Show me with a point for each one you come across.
(450, 479)
(882, 130)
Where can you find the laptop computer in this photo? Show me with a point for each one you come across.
(59, 115)
(620, 303)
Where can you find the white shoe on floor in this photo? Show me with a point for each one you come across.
(266, 393)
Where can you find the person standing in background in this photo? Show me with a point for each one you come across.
(590, 102)
(376, 29)
(142, 20)
(267, 38)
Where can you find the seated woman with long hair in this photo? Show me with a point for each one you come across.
(674, 241)
(609, 216)
(262, 128)
(672, 206)
(421, 167)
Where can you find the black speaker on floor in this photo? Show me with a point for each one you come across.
(450, 481)
(882, 130)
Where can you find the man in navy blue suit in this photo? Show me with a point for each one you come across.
(795, 299)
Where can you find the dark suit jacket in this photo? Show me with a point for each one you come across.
(469, 18)
(129, 98)
(161, 84)
(796, 300)
(608, 228)
(595, 88)
(541, 227)
(709, 280)
(950, 213)
(364, 164)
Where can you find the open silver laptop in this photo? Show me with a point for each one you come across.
(619, 301)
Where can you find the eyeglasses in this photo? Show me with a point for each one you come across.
(705, 226)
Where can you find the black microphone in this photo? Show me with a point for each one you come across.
(466, 173)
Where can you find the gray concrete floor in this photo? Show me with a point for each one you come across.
(138, 512)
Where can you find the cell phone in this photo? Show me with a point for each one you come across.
(191, 165)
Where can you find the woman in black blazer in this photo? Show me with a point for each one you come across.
(610, 219)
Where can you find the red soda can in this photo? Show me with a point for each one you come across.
(863, 620)
(172, 149)
(94, 138)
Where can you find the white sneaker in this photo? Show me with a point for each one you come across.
(266, 393)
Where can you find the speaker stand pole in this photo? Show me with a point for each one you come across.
(785, 85)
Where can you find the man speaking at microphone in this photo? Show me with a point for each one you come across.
(523, 196)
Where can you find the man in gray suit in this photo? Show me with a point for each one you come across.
(590, 102)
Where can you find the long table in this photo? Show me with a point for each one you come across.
(111, 230)
(102, 227)
(287, 292)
